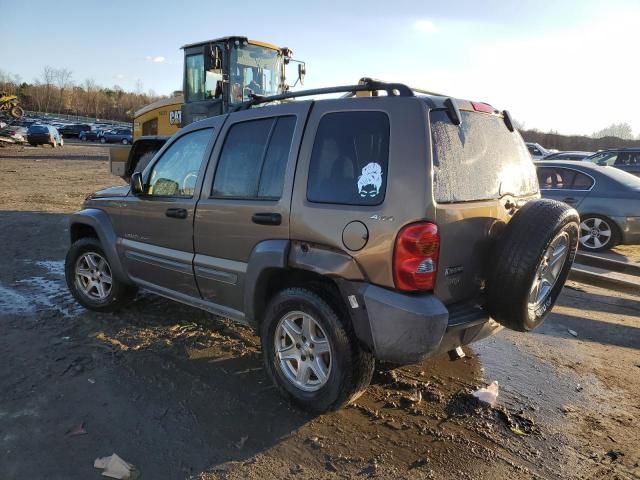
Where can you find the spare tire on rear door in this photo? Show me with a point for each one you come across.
(530, 263)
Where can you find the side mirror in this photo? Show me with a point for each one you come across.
(137, 186)
(302, 71)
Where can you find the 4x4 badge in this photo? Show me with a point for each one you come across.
(382, 218)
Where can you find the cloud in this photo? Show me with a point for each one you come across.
(425, 26)
(158, 59)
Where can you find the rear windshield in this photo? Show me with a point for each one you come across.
(478, 160)
(38, 129)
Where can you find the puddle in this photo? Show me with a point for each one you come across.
(47, 291)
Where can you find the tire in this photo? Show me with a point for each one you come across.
(53, 144)
(125, 141)
(523, 280)
(115, 297)
(102, 140)
(61, 142)
(598, 233)
(350, 368)
(16, 111)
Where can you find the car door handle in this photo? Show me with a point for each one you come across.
(176, 212)
(267, 218)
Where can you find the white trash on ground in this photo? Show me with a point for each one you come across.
(114, 467)
(488, 394)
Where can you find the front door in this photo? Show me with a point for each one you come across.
(155, 229)
(245, 198)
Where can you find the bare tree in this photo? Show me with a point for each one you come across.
(63, 82)
(620, 130)
(48, 76)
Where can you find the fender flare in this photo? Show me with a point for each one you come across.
(101, 224)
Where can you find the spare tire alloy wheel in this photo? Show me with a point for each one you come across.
(303, 351)
(549, 270)
(93, 276)
(596, 234)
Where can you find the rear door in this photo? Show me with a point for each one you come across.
(480, 171)
(246, 197)
(564, 184)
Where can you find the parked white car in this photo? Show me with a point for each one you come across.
(537, 151)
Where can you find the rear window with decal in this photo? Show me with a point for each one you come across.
(350, 159)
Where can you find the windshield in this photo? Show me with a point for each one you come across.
(478, 160)
(254, 69)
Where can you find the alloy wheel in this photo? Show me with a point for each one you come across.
(548, 271)
(595, 233)
(93, 276)
(303, 351)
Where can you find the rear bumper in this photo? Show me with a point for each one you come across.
(38, 139)
(407, 328)
(629, 228)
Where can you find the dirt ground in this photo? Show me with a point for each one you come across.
(182, 394)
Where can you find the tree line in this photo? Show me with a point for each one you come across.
(55, 91)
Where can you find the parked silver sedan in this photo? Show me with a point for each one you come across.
(608, 200)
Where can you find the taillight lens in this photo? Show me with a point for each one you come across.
(415, 258)
(482, 107)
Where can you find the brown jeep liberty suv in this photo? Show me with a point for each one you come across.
(348, 230)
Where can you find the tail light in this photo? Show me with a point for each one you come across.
(415, 258)
(482, 107)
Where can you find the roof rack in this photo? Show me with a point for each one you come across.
(392, 89)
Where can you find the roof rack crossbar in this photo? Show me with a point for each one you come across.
(392, 89)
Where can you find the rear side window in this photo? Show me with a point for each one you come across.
(557, 178)
(350, 158)
(38, 129)
(478, 160)
(254, 159)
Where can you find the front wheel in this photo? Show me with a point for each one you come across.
(311, 353)
(102, 140)
(90, 278)
(125, 141)
(597, 233)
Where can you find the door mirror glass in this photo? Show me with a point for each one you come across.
(137, 186)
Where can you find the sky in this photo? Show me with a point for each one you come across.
(563, 65)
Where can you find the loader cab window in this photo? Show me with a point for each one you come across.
(254, 69)
(195, 77)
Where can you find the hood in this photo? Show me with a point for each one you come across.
(110, 192)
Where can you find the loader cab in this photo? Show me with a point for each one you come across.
(219, 74)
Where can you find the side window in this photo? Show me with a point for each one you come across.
(582, 182)
(254, 158)
(195, 77)
(628, 158)
(176, 173)
(350, 157)
(555, 178)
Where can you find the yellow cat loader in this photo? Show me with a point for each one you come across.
(10, 105)
(218, 75)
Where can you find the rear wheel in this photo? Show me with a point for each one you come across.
(90, 278)
(530, 263)
(125, 141)
(102, 140)
(598, 233)
(311, 352)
